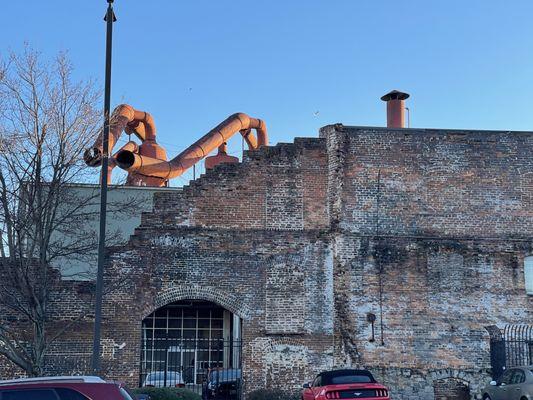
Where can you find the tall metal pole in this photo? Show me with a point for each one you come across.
(109, 18)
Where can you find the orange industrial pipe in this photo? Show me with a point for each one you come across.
(155, 167)
(130, 146)
(124, 117)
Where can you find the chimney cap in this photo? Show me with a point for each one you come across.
(395, 95)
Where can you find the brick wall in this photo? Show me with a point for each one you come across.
(451, 389)
(426, 229)
(432, 182)
(251, 238)
(280, 188)
(429, 232)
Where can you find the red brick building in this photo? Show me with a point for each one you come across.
(391, 249)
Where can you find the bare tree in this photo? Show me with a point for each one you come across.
(46, 122)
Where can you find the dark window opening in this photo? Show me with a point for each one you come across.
(184, 341)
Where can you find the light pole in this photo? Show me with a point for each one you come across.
(109, 18)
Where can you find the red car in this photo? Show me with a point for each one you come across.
(63, 388)
(345, 384)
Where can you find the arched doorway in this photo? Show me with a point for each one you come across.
(184, 340)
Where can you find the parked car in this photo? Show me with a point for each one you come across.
(222, 384)
(514, 384)
(63, 388)
(162, 379)
(344, 384)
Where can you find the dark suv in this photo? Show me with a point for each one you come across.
(63, 388)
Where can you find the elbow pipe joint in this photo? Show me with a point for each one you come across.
(123, 118)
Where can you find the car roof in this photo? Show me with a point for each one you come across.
(341, 372)
(54, 379)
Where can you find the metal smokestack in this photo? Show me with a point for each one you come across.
(395, 108)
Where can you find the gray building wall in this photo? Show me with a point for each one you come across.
(125, 206)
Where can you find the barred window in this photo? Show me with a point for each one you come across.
(528, 274)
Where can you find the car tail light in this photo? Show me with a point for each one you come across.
(333, 395)
(181, 385)
(382, 393)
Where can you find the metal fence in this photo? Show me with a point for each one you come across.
(208, 367)
(518, 345)
(511, 348)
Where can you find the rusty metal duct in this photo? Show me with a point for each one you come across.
(132, 146)
(124, 117)
(221, 157)
(132, 121)
(395, 108)
(156, 167)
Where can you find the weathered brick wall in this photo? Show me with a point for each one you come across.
(451, 389)
(248, 237)
(281, 187)
(429, 229)
(432, 182)
(436, 299)
(231, 268)
(426, 229)
(72, 312)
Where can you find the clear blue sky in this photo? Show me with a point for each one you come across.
(466, 63)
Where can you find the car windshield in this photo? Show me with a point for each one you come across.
(347, 377)
(226, 375)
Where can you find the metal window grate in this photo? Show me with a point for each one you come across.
(518, 345)
(511, 347)
(171, 362)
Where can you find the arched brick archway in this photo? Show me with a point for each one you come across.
(174, 293)
(188, 330)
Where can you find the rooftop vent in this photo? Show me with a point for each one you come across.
(395, 108)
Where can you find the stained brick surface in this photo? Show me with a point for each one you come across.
(451, 389)
(426, 229)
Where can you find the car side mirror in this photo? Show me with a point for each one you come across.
(306, 386)
(493, 383)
